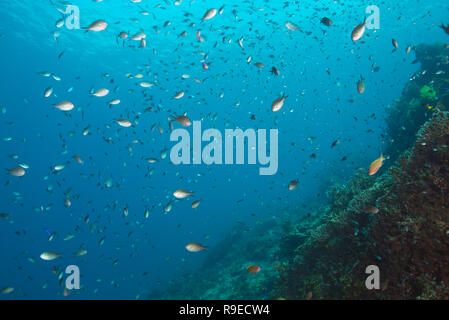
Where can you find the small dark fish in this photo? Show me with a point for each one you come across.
(335, 143)
(326, 21)
(4, 216)
(361, 85)
(275, 71)
(292, 185)
(371, 209)
(395, 43)
(445, 28)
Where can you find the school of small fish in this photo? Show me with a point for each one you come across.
(178, 68)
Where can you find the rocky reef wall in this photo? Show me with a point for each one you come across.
(428, 89)
(408, 238)
(407, 233)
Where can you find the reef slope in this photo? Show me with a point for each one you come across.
(408, 239)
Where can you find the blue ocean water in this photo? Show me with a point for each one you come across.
(319, 67)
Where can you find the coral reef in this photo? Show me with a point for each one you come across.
(223, 274)
(428, 89)
(407, 239)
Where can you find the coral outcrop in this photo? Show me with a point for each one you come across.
(427, 89)
(223, 274)
(408, 239)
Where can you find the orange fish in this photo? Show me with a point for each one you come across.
(375, 165)
(253, 269)
(78, 159)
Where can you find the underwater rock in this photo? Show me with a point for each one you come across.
(224, 274)
(407, 239)
(427, 90)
